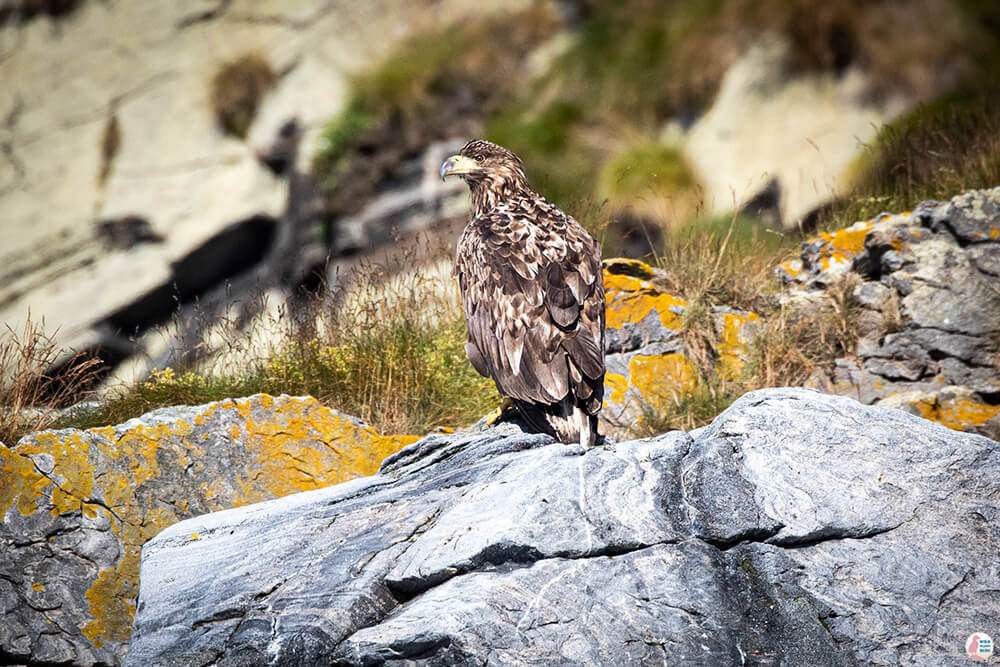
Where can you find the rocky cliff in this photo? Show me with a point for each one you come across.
(925, 286)
(124, 195)
(797, 528)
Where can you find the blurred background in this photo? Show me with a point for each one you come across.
(202, 199)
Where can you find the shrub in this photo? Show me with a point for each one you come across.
(237, 90)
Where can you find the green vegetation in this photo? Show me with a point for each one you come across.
(652, 182)
(933, 152)
(643, 170)
(401, 368)
(237, 90)
(332, 160)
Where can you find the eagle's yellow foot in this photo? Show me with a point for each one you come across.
(500, 413)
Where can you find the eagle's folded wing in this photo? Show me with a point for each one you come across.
(535, 318)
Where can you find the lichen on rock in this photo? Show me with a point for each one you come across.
(927, 286)
(77, 506)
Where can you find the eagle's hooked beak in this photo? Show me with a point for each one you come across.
(458, 164)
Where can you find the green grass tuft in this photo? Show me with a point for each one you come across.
(647, 170)
(934, 152)
(237, 90)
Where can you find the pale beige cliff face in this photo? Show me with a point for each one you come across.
(803, 131)
(150, 64)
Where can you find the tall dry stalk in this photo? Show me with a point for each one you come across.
(30, 394)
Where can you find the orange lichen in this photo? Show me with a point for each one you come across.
(280, 446)
(618, 384)
(734, 344)
(630, 299)
(112, 601)
(841, 246)
(960, 413)
(658, 378)
(792, 267)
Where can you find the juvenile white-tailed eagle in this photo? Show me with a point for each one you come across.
(533, 295)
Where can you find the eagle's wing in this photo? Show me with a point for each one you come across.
(534, 305)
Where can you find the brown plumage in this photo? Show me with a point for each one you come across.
(533, 294)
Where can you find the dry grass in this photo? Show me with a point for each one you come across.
(727, 261)
(390, 351)
(715, 265)
(237, 90)
(797, 340)
(934, 152)
(30, 397)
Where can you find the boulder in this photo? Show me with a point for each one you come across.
(797, 528)
(77, 506)
(929, 320)
(782, 140)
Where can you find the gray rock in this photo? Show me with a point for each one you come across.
(797, 528)
(928, 325)
(972, 217)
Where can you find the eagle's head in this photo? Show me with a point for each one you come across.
(493, 172)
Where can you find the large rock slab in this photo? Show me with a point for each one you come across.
(797, 528)
(77, 506)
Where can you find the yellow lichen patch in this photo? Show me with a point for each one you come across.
(734, 344)
(660, 378)
(618, 384)
(112, 601)
(630, 299)
(37, 586)
(964, 413)
(19, 483)
(960, 413)
(305, 445)
(841, 246)
(995, 233)
(151, 476)
(792, 267)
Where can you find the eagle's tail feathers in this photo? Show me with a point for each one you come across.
(566, 421)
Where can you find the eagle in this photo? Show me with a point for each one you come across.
(533, 295)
